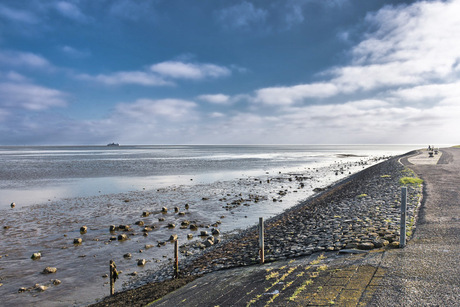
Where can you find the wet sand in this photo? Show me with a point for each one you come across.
(51, 228)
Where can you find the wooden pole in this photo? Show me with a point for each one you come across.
(111, 276)
(261, 240)
(402, 234)
(176, 259)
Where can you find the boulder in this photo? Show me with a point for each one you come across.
(145, 213)
(173, 238)
(366, 245)
(204, 233)
(77, 241)
(13, 205)
(208, 243)
(49, 270)
(124, 227)
(141, 262)
(181, 213)
(176, 209)
(36, 256)
(164, 209)
(127, 255)
(193, 227)
(56, 282)
(215, 232)
(83, 229)
(122, 237)
(139, 223)
(112, 228)
(189, 236)
(171, 225)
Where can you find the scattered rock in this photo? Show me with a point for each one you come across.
(56, 282)
(77, 241)
(49, 270)
(215, 232)
(122, 237)
(139, 223)
(83, 229)
(13, 205)
(164, 209)
(22, 289)
(127, 255)
(141, 262)
(173, 238)
(36, 256)
(145, 213)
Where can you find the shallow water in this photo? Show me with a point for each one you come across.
(50, 226)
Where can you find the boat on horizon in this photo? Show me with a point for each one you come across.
(113, 144)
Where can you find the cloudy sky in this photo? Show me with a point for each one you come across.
(229, 72)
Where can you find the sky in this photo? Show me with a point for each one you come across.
(85, 72)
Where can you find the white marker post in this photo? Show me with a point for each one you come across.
(402, 234)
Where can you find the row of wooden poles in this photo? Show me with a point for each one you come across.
(114, 274)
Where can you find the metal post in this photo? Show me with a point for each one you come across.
(402, 235)
(176, 259)
(261, 240)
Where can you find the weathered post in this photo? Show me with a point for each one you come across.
(176, 259)
(402, 234)
(113, 276)
(261, 240)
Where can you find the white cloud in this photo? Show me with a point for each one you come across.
(429, 91)
(412, 46)
(127, 77)
(215, 98)
(23, 59)
(242, 15)
(30, 97)
(180, 70)
(294, 94)
(147, 109)
(70, 11)
(75, 52)
(18, 15)
(160, 74)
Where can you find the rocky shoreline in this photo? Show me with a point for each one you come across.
(360, 212)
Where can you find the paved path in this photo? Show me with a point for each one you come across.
(425, 273)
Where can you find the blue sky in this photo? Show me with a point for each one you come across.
(229, 72)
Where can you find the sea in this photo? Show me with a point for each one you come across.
(33, 175)
(58, 189)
